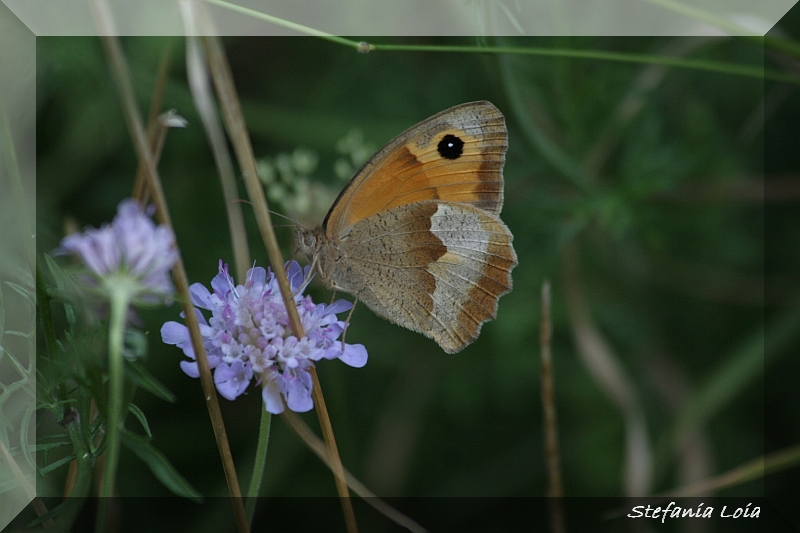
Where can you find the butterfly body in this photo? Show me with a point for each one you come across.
(416, 235)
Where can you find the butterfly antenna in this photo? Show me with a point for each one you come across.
(290, 219)
(276, 214)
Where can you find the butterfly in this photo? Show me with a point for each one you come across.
(416, 233)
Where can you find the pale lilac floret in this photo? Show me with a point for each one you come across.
(132, 247)
(248, 337)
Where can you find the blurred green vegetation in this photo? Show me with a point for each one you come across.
(636, 188)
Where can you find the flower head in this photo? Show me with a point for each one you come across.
(131, 253)
(248, 337)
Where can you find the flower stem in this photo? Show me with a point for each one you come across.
(116, 334)
(260, 463)
(757, 71)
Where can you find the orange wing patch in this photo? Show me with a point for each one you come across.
(449, 157)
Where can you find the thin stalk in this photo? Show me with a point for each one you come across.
(260, 464)
(124, 83)
(286, 23)
(120, 298)
(552, 460)
(783, 45)
(203, 96)
(751, 71)
(156, 128)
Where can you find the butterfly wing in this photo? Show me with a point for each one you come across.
(433, 267)
(454, 156)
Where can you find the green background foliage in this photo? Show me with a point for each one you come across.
(640, 186)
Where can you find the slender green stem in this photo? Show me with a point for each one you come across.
(285, 23)
(116, 334)
(752, 71)
(45, 314)
(260, 464)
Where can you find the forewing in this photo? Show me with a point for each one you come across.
(454, 156)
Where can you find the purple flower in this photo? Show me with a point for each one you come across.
(132, 253)
(248, 337)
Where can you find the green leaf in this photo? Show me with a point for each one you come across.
(141, 418)
(63, 283)
(61, 280)
(24, 433)
(160, 466)
(72, 505)
(8, 390)
(20, 334)
(52, 446)
(145, 380)
(61, 462)
(22, 291)
(53, 405)
(52, 513)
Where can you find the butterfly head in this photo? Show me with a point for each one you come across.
(320, 251)
(307, 241)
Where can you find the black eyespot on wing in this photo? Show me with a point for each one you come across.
(450, 147)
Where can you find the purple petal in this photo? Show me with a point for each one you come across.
(133, 232)
(200, 318)
(298, 395)
(257, 275)
(201, 297)
(147, 249)
(174, 333)
(133, 242)
(222, 282)
(213, 360)
(232, 380)
(97, 248)
(190, 368)
(295, 275)
(206, 331)
(354, 355)
(338, 306)
(177, 334)
(272, 398)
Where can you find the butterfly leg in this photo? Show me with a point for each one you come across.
(347, 322)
